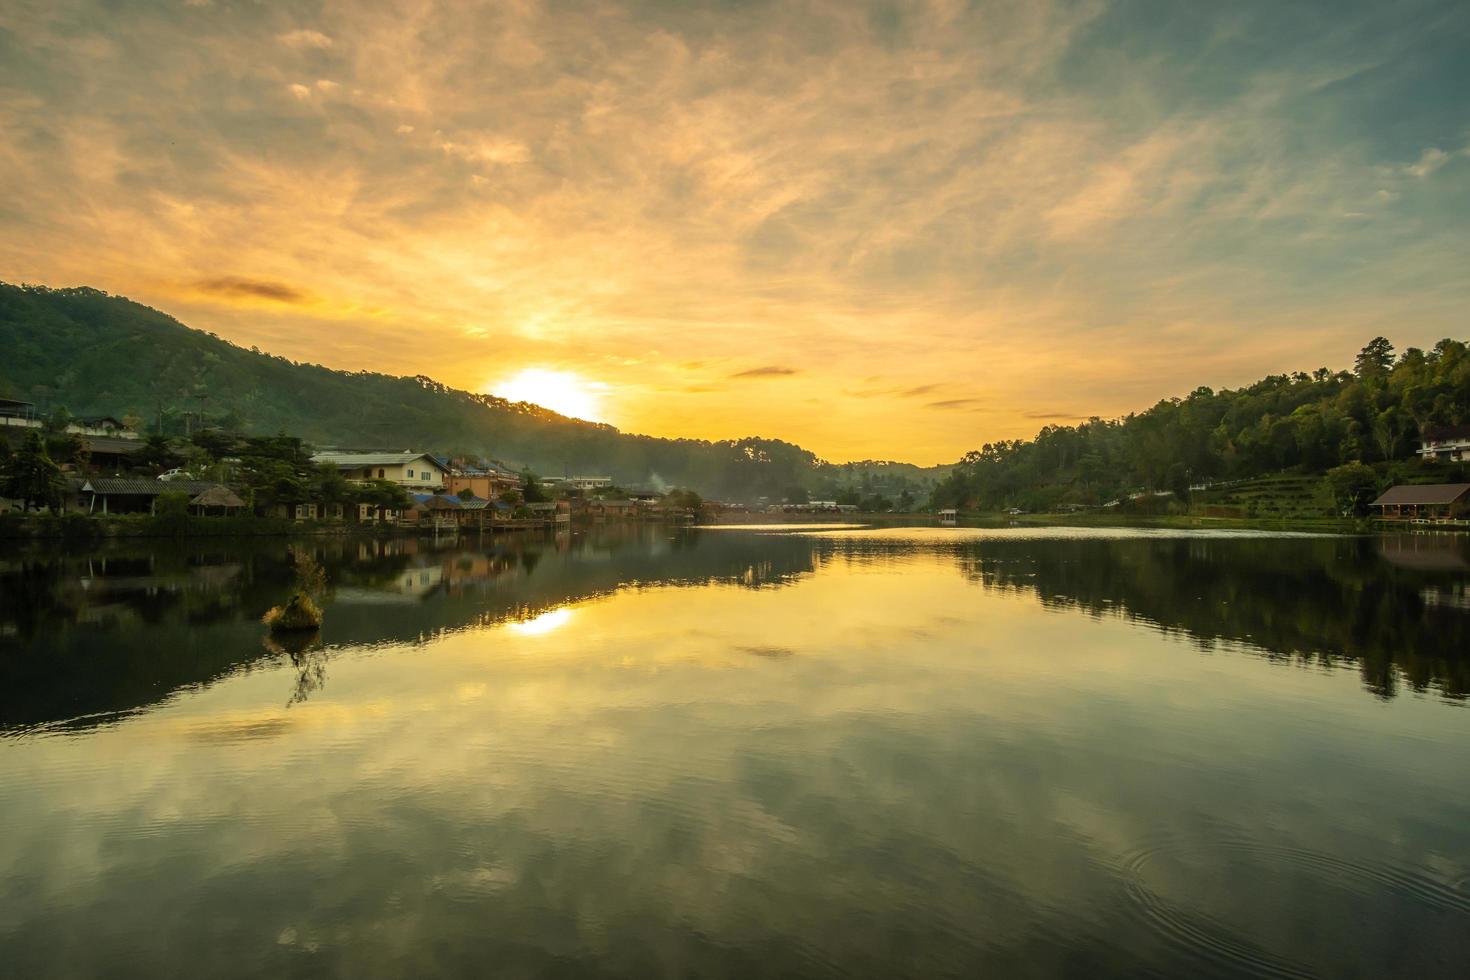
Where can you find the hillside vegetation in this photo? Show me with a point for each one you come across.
(1357, 426)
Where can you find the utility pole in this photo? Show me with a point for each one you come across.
(201, 397)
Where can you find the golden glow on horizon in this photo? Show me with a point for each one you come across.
(561, 391)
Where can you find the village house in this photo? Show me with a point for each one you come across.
(488, 482)
(1447, 444)
(608, 509)
(109, 454)
(1424, 502)
(415, 472)
(434, 510)
(556, 511)
(583, 483)
(19, 414)
(374, 514)
(23, 415)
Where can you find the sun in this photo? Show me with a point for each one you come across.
(561, 391)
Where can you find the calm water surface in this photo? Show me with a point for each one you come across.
(643, 752)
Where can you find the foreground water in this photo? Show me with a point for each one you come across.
(642, 752)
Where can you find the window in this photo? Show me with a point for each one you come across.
(410, 474)
(380, 474)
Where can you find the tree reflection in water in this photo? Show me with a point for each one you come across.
(88, 634)
(307, 654)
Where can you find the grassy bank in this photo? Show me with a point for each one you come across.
(82, 527)
(1195, 521)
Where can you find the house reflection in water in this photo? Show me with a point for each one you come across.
(1426, 552)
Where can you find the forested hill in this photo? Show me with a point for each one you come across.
(92, 353)
(1371, 417)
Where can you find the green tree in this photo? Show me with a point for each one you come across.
(217, 443)
(171, 513)
(383, 493)
(156, 456)
(1353, 487)
(329, 486)
(57, 421)
(531, 490)
(33, 478)
(682, 500)
(1374, 360)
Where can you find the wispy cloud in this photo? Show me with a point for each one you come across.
(235, 287)
(302, 38)
(770, 371)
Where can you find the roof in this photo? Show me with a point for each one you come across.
(474, 503)
(1424, 493)
(436, 501)
(218, 496)
(1447, 433)
(350, 460)
(104, 444)
(124, 487)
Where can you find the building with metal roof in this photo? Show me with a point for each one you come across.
(410, 470)
(123, 495)
(1424, 501)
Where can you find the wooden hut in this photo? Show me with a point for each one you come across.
(218, 500)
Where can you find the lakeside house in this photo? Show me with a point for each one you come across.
(415, 472)
(489, 481)
(608, 509)
(556, 511)
(1449, 444)
(1424, 502)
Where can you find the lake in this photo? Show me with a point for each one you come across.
(642, 751)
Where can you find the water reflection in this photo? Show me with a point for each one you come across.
(645, 753)
(84, 636)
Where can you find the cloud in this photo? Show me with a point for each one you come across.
(1429, 161)
(970, 404)
(770, 371)
(303, 39)
(236, 287)
(1015, 198)
(485, 150)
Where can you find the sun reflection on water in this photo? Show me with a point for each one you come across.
(542, 624)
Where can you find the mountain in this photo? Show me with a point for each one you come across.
(93, 353)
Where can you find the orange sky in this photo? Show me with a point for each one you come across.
(878, 230)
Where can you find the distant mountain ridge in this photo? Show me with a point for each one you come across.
(95, 353)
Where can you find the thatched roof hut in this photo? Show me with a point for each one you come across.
(217, 497)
